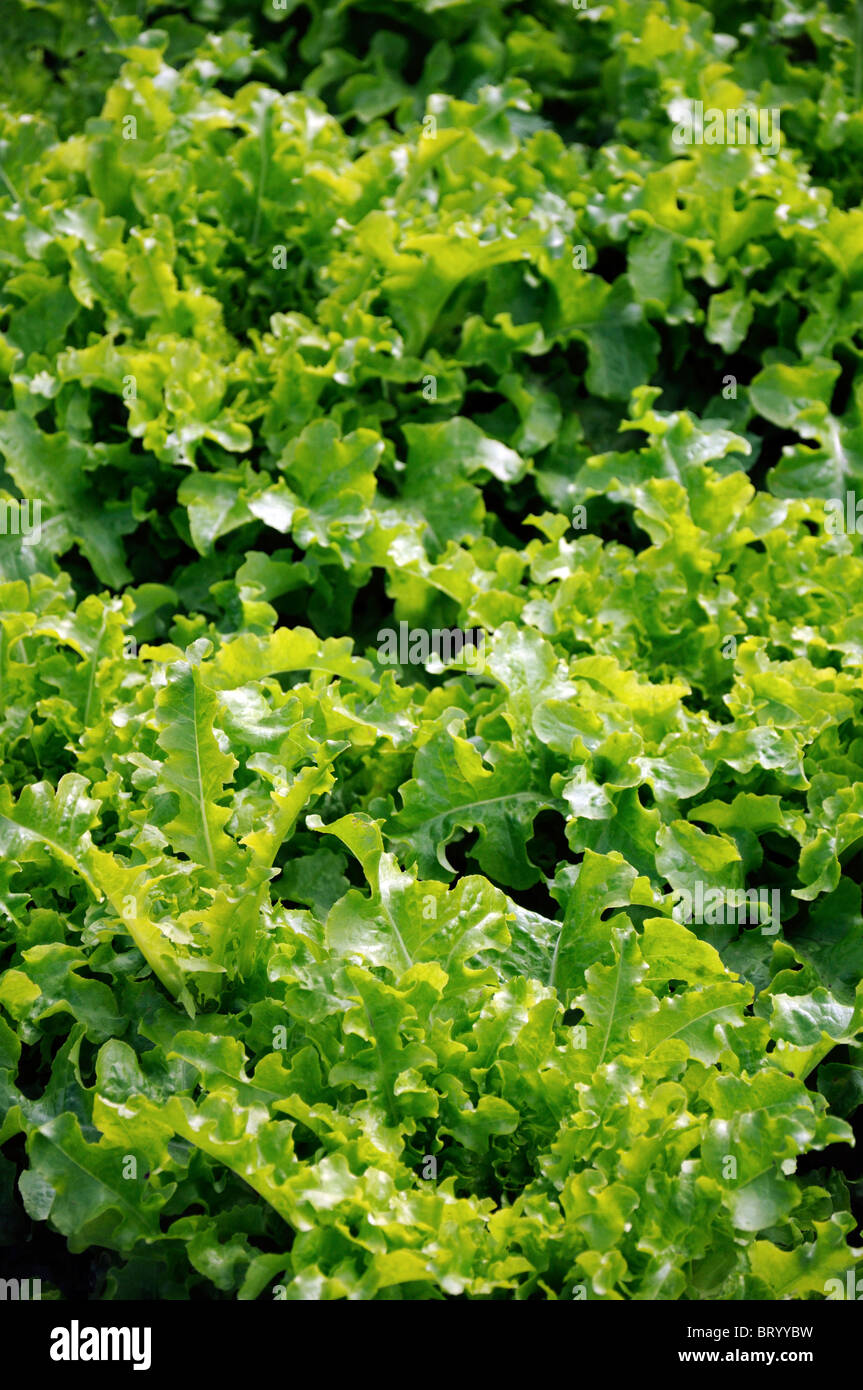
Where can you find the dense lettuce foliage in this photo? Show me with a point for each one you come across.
(324, 977)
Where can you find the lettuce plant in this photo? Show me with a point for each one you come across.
(334, 968)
